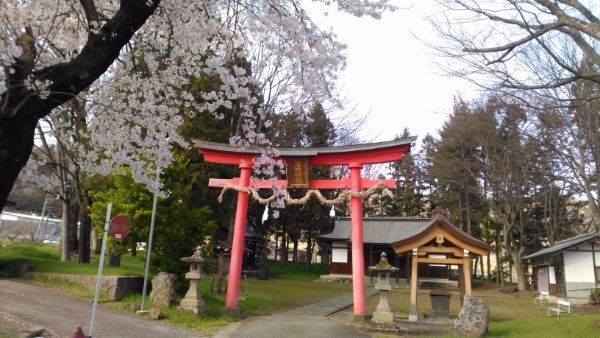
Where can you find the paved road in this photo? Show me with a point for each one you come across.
(289, 326)
(305, 321)
(61, 314)
(24, 305)
(327, 307)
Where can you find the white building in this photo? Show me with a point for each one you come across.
(569, 269)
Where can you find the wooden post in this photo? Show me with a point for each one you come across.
(406, 268)
(594, 264)
(461, 282)
(481, 267)
(413, 286)
(489, 266)
(397, 272)
(467, 272)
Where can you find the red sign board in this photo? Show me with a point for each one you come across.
(118, 228)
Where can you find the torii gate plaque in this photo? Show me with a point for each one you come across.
(354, 157)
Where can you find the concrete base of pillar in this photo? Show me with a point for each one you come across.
(412, 318)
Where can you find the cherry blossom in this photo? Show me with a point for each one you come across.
(134, 110)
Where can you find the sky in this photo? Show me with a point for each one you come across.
(391, 73)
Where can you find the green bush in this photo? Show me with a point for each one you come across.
(595, 297)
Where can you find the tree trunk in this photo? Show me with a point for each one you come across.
(16, 144)
(284, 247)
(97, 243)
(84, 237)
(232, 220)
(65, 231)
(499, 269)
(276, 245)
(468, 213)
(21, 108)
(263, 269)
(133, 248)
(520, 270)
(324, 255)
(460, 213)
(510, 269)
(309, 247)
(114, 259)
(74, 228)
(295, 253)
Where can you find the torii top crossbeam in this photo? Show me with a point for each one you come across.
(297, 161)
(300, 158)
(367, 153)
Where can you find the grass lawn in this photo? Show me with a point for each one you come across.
(580, 326)
(293, 286)
(511, 316)
(45, 258)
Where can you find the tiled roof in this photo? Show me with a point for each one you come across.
(565, 244)
(395, 231)
(308, 151)
(380, 230)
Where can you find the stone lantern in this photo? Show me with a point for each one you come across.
(383, 314)
(192, 301)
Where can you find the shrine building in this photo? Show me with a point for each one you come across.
(380, 233)
(420, 248)
(569, 269)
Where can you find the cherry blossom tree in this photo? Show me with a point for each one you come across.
(135, 58)
(49, 55)
(55, 167)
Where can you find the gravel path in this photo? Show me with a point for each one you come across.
(37, 307)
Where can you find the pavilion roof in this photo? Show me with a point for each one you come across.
(305, 151)
(397, 231)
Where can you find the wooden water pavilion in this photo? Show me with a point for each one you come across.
(440, 242)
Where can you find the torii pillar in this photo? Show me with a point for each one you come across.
(358, 267)
(237, 246)
(354, 157)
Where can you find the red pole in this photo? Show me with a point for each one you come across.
(239, 232)
(358, 261)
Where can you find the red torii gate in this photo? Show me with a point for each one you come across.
(354, 157)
